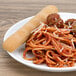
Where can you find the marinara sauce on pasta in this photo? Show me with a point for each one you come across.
(53, 43)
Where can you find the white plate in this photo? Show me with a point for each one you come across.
(17, 54)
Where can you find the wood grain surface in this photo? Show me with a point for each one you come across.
(12, 11)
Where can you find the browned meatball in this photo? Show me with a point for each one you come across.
(70, 21)
(54, 19)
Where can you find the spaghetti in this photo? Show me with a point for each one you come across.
(52, 45)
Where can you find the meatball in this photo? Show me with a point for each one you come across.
(70, 21)
(54, 19)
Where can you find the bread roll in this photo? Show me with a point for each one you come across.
(21, 35)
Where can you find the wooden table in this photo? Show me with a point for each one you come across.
(12, 11)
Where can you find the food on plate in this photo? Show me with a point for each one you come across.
(51, 40)
(54, 19)
(21, 35)
(72, 25)
(52, 43)
(69, 22)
